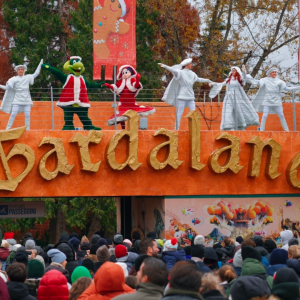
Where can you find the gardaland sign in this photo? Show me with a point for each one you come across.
(134, 162)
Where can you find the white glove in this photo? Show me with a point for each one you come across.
(161, 65)
(38, 69)
(244, 70)
(212, 83)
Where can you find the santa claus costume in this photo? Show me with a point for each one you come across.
(127, 88)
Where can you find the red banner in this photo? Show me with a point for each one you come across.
(114, 41)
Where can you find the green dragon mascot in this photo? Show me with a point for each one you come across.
(74, 98)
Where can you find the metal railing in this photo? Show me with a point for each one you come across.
(46, 115)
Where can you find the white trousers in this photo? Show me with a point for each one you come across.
(181, 104)
(279, 112)
(14, 112)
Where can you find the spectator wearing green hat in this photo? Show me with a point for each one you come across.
(35, 272)
(80, 272)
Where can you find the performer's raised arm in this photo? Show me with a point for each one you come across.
(248, 78)
(38, 69)
(171, 69)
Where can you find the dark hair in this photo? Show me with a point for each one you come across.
(17, 272)
(78, 287)
(131, 281)
(249, 243)
(226, 273)
(145, 243)
(156, 271)
(227, 241)
(185, 276)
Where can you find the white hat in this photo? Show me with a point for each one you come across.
(237, 69)
(123, 7)
(272, 70)
(124, 268)
(20, 66)
(199, 240)
(186, 62)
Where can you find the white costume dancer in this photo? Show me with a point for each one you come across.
(237, 108)
(17, 97)
(268, 99)
(180, 89)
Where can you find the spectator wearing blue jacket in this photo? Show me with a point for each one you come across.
(171, 255)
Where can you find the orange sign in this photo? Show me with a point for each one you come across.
(113, 35)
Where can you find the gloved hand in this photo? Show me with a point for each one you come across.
(212, 83)
(244, 70)
(108, 85)
(161, 65)
(46, 66)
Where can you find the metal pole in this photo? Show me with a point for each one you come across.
(235, 111)
(52, 108)
(294, 111)
(115, 97)
(219, 99)
(204, 98)
(176, 108)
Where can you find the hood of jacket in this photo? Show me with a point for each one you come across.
(110, 278)
(294, 264)
(130, 257)
(252, 266)
(67, 249)
(286, 290)
(150, 288)
(286, 235)
(11, 242)
(15, 289)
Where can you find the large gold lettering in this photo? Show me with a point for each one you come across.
(194, 140)
(232, 162)
(257, 147)
(292, 171)
(62, 161)
(171, 157)
(83, 145)
(18, 149)
(132, 133)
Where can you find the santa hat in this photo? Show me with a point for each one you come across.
(171, 245)
(8, 235)
(119, 76)
(123, 7)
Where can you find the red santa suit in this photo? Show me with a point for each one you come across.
(74, 92)
(127, 90)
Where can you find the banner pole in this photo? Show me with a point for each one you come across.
(115, 97)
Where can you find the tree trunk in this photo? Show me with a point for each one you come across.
(95, 226)
(57, 226)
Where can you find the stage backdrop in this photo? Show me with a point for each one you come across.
(113, 35)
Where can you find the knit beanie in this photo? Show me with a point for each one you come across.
(29, 245)
(258, 240)
(103, 253)
(8, 235)
(74, 234)
(109, 241)
(270, 245)
(56, 256)
(80, 272)
(198, 251)
(171, 245)
(85, 246)
(102, 242)
(118, 239)
(128, 242)
(285, 275)
(248, 287)
(94, 248)
(120, 251)
(293, 242)
(75, 242)
(237, 259)
(95, 238)
(199, 240)
(16, 247)
(88, 263)
(250, 252)
(35, 269)
(22, 256)
(151, 235)
(278, 256)
(210, 256)
(239, 239)
(139, 260)
(64, 237)
(53, 285)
